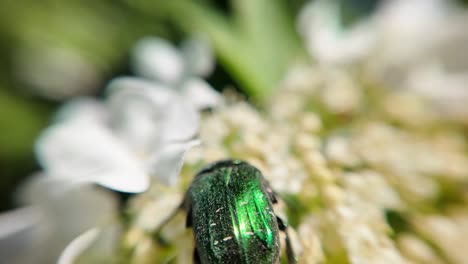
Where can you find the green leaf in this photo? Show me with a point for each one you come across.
(21, 120)
(256, 44)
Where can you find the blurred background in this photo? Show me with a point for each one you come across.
(55, 50)
(52, 50)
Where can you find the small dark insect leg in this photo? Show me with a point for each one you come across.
(274, 200)
(272, 194)
(289, 250)
(196, 257)
(188, 220)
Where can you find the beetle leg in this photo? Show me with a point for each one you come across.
(188, 220)
(272, 194)
(196, 257)
(289, 250)
(274, 200)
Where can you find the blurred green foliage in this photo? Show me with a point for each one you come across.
(100, 33)
(255, 41)
(21, 119)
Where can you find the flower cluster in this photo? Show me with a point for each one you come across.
(136, 135)
(375, 165)
(367, 144)
(415, 45)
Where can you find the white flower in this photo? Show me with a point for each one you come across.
(50, 219)
(399, 31)
(422, 48)
(447, 91)
(118, 145)
(414, 44)
(408, 29)
(327, 40)
(156, 59)
(142, 128)
(78, 246)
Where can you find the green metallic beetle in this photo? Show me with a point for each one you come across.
(229, 207)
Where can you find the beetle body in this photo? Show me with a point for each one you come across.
(229, 206)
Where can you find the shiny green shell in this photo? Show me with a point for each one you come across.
(230, 209)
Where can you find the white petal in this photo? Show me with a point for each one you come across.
(17, 229)
(83, 151)
(93, 246)
(90, 205)
(411, 28)
(65, 215)
(201, 94)
(138, 108)
(181, 121)
(328, 41)
(80, 244)
(76, 211)
(414, 19)
(82, 108)
(62, 215)
(122, 87)
(448, 91)
(167, 162)
(157, 59)
(39, 189)
(17, 220)
(198, 56)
